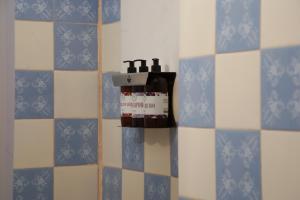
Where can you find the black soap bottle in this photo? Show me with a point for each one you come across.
(138, 98)
(126, 93)
(156, 99)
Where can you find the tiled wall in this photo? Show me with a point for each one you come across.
(238, 89)
(239, 117)
(56, 116)
(138, 163)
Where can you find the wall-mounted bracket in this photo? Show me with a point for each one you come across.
(144, 79)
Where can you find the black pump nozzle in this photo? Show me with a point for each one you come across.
(143, 67)
(131, 68)
(155, 67)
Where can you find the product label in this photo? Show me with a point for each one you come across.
(138, 99)
(125, 101)
(156, 103)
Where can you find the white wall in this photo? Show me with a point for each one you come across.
(150, 29)
(6, 97)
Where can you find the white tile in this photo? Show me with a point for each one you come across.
(150, 29)
(76, 183)
(197, 27)
(76, 94)
(197, 163)
(157, 151)
(174, 188)
(132, 185)
(238, 90)
(111, 47)
(280, 152)
(112, 143)
(33, 143)
(280, 23)
(34, 45)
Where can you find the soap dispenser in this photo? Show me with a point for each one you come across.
(125, 99)
(156, 99)
(138, 98)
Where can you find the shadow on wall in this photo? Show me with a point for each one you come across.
(6, 97)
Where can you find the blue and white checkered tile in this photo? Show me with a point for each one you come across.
(196, 90)
(238, 165)
(76, 47)
(238, 25)
(111, 98)
(33, 184)
(34, 95)
(40, 10)
(156, 187)
(174, 151)
(281, 88)
(76, 141)
(133, 148)
(111, 11)
(112, 184)
(76, 11)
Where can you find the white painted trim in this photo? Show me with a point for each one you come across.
(6, 97)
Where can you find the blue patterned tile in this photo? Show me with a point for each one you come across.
(76, 11)
(34, 10)
(157, 187)
(111, 98)
(76, 47)
(174, 152)
(238, 165)
(196, 90)
(111, 11)
(112, 184)
(34, 95)
(33, 184)
(281, 88)
(238, 25)
(76, 141)
(133, 148)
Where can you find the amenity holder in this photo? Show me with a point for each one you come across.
(151, 102)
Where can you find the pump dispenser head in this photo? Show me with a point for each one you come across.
(143, 67)
(155, 67)
(131, 68)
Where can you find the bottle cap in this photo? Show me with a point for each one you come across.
(131, 68)
(143, 67)
(155, 67)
